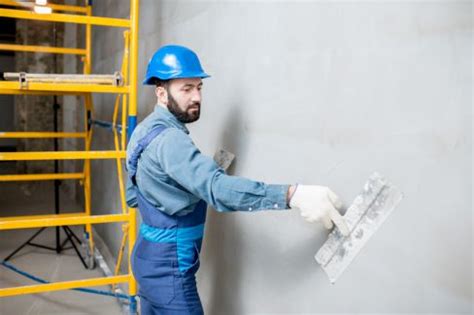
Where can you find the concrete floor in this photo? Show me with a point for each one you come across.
(17, 199)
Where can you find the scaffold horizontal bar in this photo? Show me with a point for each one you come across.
(30, 92)
(58, 88)
(35, 177)
(48, 220)
(65, 18)
(55, 7)
(20, 134)
(64, 285)
(60, 155)
(43, 49)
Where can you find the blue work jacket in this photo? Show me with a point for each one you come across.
(173, 175)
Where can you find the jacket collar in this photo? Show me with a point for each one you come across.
(165, 115)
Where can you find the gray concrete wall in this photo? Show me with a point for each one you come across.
(7, 117)
(323, 92)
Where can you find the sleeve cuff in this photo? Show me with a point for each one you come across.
(275, 198)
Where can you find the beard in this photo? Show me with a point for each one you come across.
(184, 116)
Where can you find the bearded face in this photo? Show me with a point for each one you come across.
(182, 97)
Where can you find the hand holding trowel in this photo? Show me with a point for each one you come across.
(319, 203)
(366, 214)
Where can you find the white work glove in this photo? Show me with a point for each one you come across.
(319, 203)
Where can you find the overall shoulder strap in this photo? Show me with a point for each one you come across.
(141, 146)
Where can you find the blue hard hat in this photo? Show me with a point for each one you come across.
(173, 62)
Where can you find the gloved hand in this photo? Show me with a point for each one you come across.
(319, 203)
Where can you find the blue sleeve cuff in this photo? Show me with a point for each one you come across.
(275, 198)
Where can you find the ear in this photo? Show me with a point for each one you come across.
(161, 95)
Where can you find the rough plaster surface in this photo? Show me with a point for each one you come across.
(323, 92)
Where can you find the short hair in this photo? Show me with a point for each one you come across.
(161, 83)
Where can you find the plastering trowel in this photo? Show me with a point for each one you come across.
(366, 214)
(224, 158)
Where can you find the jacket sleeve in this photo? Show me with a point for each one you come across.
(201, 176)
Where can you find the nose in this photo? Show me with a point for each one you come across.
(196, 97)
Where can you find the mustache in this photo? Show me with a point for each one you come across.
(195, 105)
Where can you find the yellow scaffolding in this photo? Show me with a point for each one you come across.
(126, 99)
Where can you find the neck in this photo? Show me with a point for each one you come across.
(162, 105)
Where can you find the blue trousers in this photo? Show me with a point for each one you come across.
(163, 289)
(185, 302)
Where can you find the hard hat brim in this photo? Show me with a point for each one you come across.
(150, 80)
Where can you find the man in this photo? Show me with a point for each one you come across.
(171, 182)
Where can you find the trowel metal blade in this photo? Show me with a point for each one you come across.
(366, 214)
(224, 158)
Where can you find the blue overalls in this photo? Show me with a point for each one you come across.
(166, 255)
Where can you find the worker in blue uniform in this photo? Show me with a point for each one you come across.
(172, 183)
